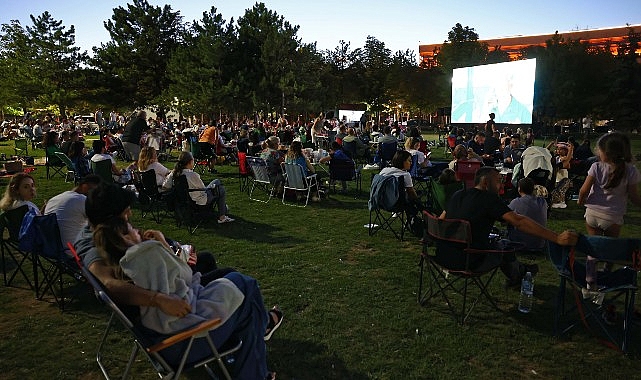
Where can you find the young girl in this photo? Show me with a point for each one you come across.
(610, 182)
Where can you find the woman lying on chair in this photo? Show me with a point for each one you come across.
(185, 166)
(146, 259)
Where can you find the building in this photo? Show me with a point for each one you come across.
(602, 38)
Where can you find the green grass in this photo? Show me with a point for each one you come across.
(349, 302)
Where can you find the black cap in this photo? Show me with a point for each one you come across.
(107, 201)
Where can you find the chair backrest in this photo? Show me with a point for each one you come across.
(388, 150)
(455, 231)
(422, 147)
(22, 146)
(342, 170)
(103, 170)
(66, 160)
(294, 176)
(466, 170)
(385, 193)
(49, 243)
(149, 184)
(451, 142)
(349, 147)
(259, 168)
(12, 220)
(181, 191)
(440, 194)
(243, 168)
(414, 167)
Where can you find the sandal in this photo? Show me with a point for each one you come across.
(273, 325)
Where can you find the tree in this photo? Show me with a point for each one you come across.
(462, 49)
(625, 91)
(196, 69)
(18, 86)
(376, 62)
(134, 63)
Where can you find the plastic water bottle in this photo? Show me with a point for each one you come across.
(527, 293)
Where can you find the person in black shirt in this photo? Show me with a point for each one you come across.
(481, 206)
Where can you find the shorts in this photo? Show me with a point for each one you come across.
(600, 220)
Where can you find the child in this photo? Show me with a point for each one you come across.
(562, 159)
(610, 182)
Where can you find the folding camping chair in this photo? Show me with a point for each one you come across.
(50, 260)
(21, 147)
(54, 166)
(386, 152)
(149, 196)
(14, 260)
(261, 179)
(421, 181)
(71, 168)
(244, 172)
(466, 170)
(202, 153)
(438, 195)
(387, 206)
(345, 170)
(187, 212)
(593, 312)
(296, 180)
(103, 170)
(454, 266)
(169, 355)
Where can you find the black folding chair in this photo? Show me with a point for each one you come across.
(187, 212)
(345, 170)
(453, 266)
(14, 260)
(149, 196)
(614, 287)
(387, 206)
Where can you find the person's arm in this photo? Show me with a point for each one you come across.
(310, 167)
(585, 190)
(527, 225)
(130, 294)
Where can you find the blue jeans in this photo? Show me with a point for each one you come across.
(247, 323)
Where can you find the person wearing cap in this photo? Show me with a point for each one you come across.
(165, 308)
(69, 208)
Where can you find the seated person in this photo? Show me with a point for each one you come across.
(336, 153)
(411, 145)
(273, 158)
(109, 205)
(148, 159)
(204, 198)
(20, 191)
(401, 163)
(387, 136)
(78, 156)
(295, 156)
(362, 150)
(461, 153)
(512, 153)
(51, 142)
(69, 208)
(535, 208)
(477, 144)
(482, 206)
(100, 154)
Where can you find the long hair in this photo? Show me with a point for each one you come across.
(108, 238)
(146, 157)
(615, 147)
(295, 150)
(76, 149)
(183, 160)
(11, 193)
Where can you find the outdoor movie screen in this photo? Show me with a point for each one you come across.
(505, 89)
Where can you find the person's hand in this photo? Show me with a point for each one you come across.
(567, 238)
(172, 305)
(153, 235)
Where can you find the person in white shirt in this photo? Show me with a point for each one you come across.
(185, 166)
(69, 208)
(148, 159)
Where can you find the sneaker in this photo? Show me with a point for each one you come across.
(315, 199)
(559, 205)
(226, 219)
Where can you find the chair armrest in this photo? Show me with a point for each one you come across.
(204, 326)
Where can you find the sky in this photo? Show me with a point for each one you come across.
(400, 24)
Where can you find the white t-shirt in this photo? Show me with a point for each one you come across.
(396, 172)
(160, 170)
(69, 208)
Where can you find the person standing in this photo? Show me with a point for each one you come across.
(611, 181)
(490, 125)
(132, 134)
(98, 117)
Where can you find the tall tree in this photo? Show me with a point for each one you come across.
(376, 62)
(196, 69)
(18, 84)
(625, 92)
(462, 49)
(134, 62)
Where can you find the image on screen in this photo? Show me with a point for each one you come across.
(505, 89)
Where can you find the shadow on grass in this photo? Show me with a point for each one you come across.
(257, 233)
(302, 360)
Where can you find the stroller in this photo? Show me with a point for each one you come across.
(536, 163)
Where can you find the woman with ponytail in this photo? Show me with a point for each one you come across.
(611, 181)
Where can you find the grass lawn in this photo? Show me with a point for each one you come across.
(349, 301)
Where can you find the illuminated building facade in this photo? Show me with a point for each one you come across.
(607, 38)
